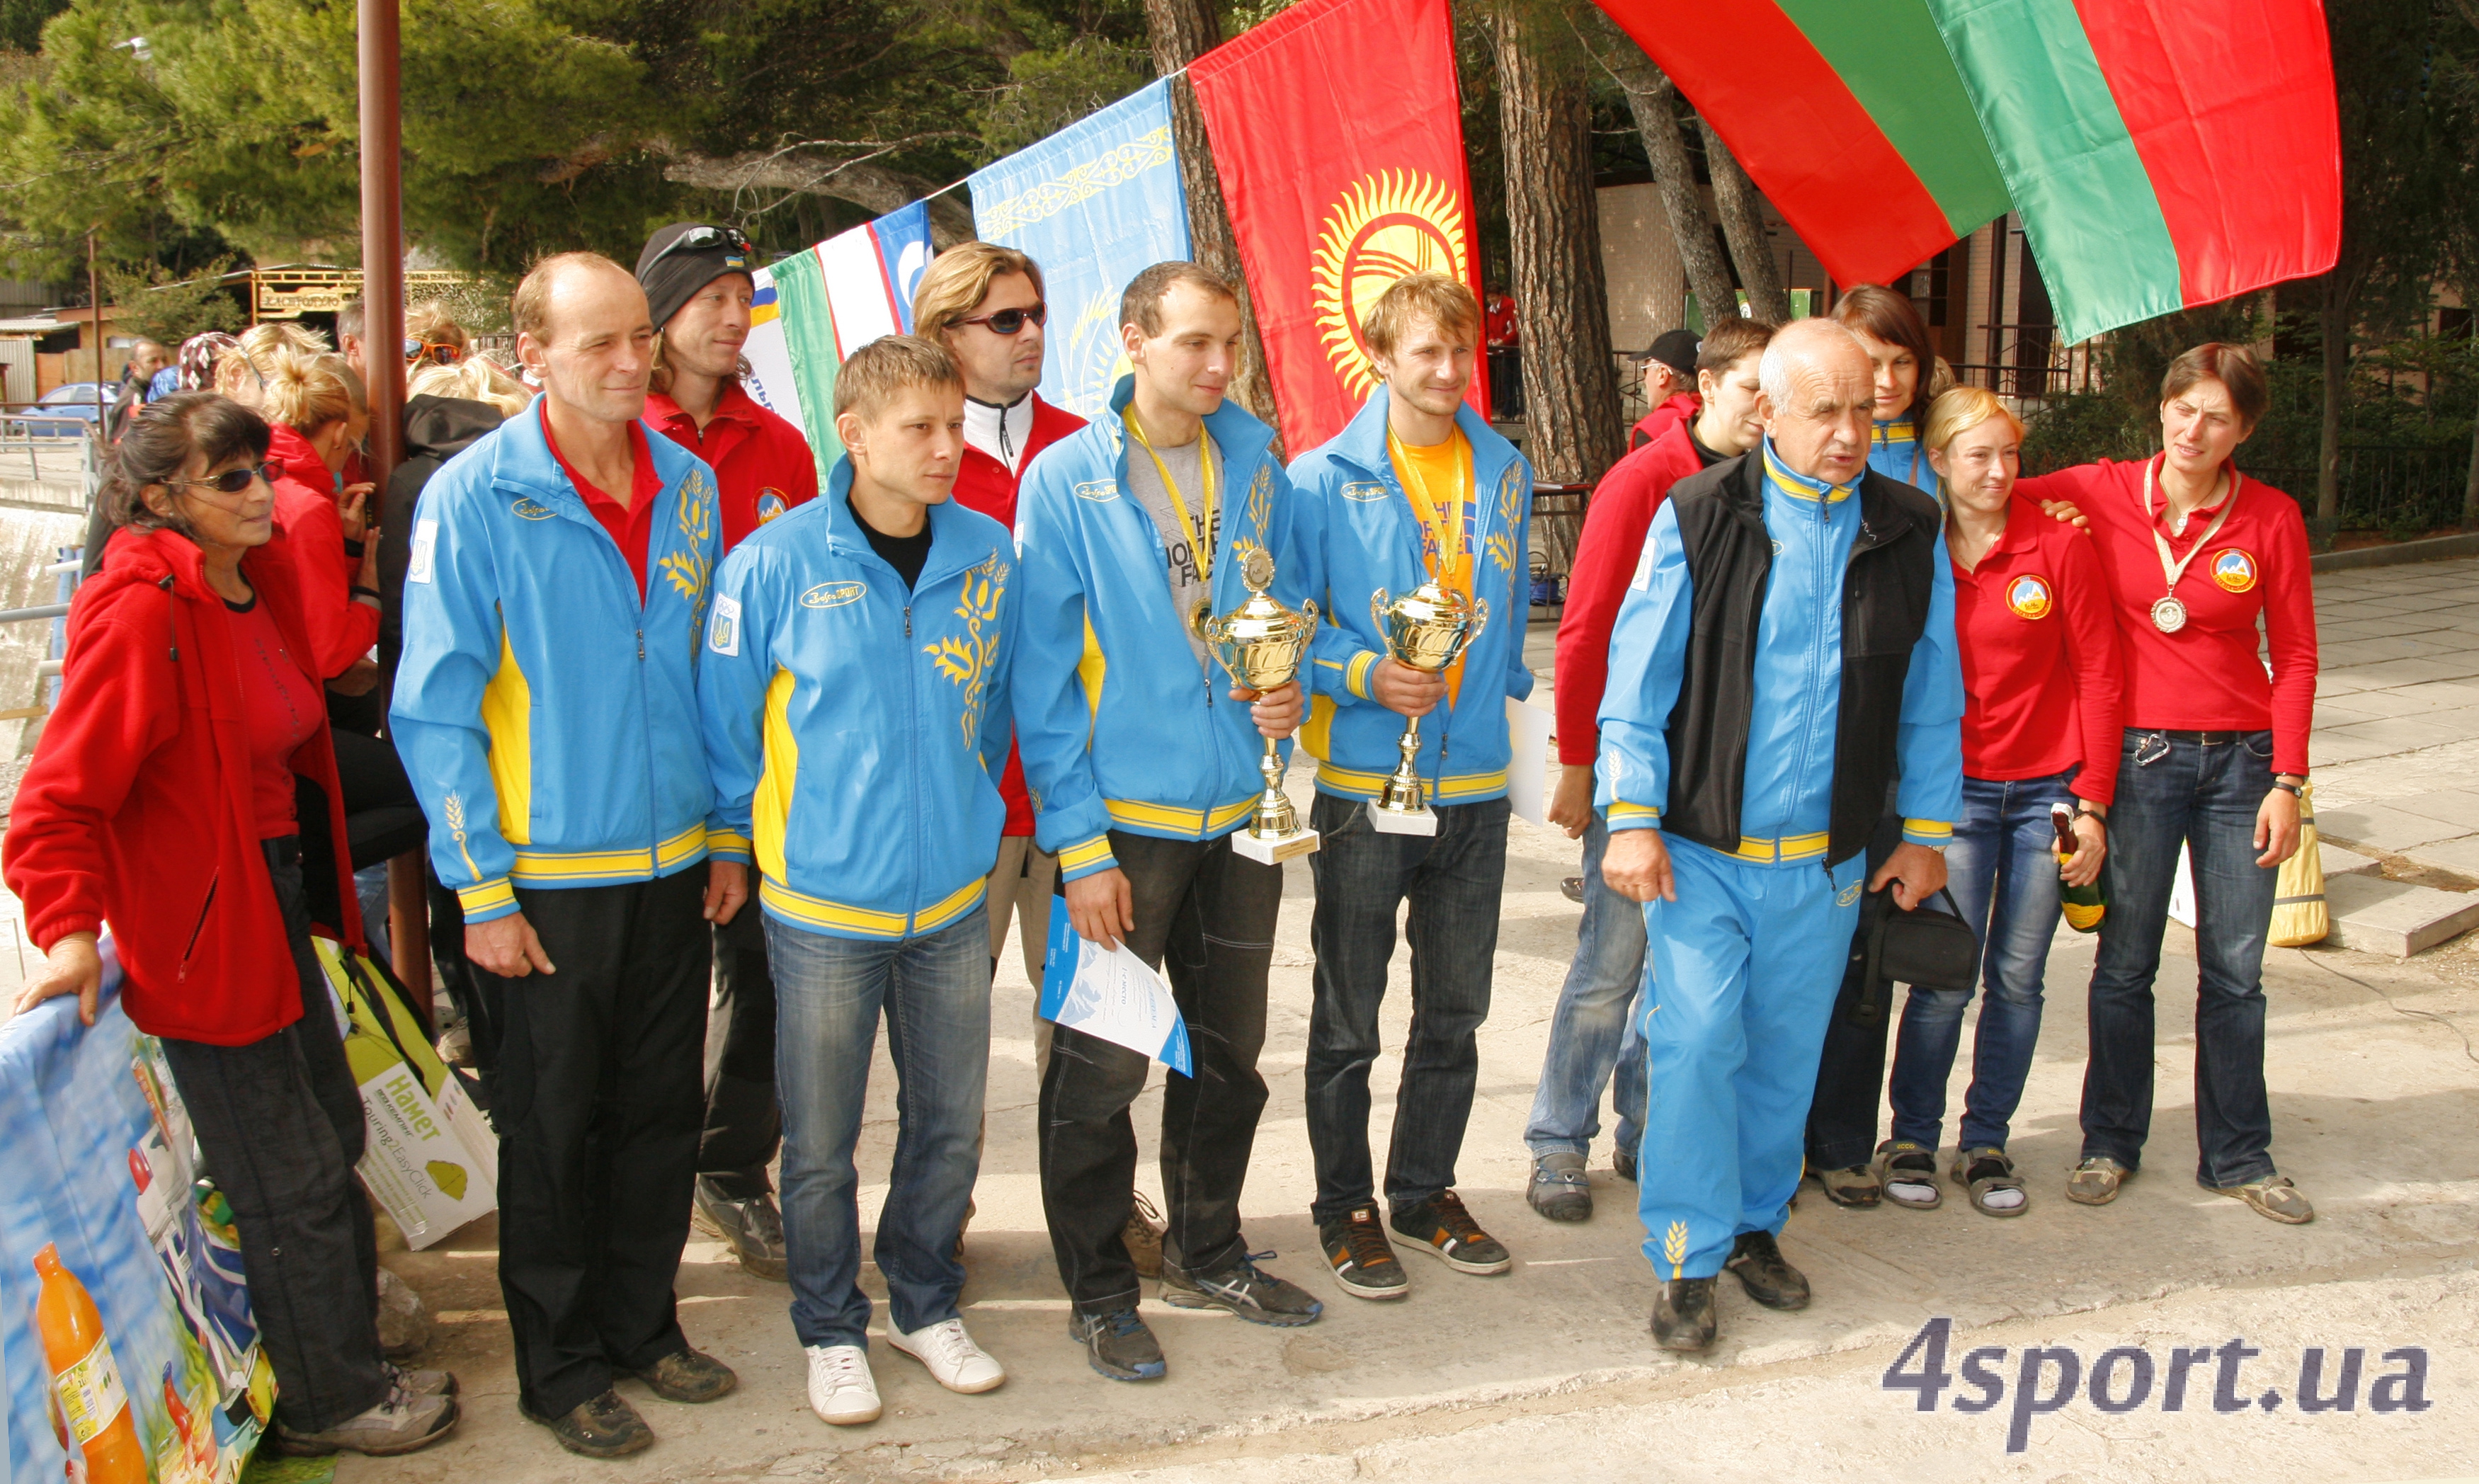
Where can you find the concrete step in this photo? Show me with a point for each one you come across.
(2338, 862)
(2379, 916)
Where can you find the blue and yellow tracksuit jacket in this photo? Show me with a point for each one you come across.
(546, 715)
(1373, 540)
(856, 728)
(1118, 725)
(1895, 451)
(1788, 804)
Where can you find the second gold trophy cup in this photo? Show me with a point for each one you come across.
(1261, 644)
(1425, 629)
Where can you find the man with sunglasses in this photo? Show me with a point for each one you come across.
(699, 283)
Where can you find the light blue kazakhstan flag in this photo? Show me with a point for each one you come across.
(1093, 204)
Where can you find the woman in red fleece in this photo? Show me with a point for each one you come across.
(167, 796)
(318, 414)
(2213, 757)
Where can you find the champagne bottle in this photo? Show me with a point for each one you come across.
(2084, 905)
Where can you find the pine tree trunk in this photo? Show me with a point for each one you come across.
(1182, 31)
(1649, 93)
(2470, 489)
(1742, 223)
(1562, 305)
(2335, 316)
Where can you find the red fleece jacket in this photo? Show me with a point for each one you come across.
(1615, 523)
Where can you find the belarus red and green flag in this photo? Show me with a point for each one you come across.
(2161, 155)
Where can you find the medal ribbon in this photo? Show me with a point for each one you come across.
(1452, 569)
(1200, 537)
(2173, 570)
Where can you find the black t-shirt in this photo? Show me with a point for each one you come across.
(1705, 455)
(905, 553)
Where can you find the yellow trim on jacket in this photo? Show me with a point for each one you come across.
(1352, 783)
(585, 867)
(508, 716)
(824, 915)
(1196, 823)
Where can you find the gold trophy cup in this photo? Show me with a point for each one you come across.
(1425, 629)
(1261, 643)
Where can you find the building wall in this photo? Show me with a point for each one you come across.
(1648, 289)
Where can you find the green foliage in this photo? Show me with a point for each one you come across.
(1048, 90)
(21, 22)
(167, 307)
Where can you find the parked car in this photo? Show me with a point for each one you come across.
(65, 411)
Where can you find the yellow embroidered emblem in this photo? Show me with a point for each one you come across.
(1674, 1247)
(1510, 514)
(969, 660)
(1386, 226)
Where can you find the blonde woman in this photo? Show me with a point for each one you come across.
(2041, 675)
(314, 404)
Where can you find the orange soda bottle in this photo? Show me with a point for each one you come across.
(92, 1398)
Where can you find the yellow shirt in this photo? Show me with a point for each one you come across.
(1439, 479)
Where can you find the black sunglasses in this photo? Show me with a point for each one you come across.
(1011, 321)
(232, 481)
(704, 238)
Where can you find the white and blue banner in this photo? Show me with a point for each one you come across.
(1095, 205)
(1111, 995)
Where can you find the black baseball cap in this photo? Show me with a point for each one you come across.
(1674, 349)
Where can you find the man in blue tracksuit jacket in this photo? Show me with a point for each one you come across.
(1141, 760)
(1787, 648)
(854, 696)
(1416, 486)
(546, 710)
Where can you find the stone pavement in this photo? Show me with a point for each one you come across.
(2375, 1092)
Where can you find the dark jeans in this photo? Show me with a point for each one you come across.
(743, 1124)
(2205, 794)
(280, 1125)
(1454, 881)
(1850, 1073)
(598, 1105)
(1205, 917)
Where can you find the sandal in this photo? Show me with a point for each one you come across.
(1988, 1174)
(2273, 1196)
(2095, 1182)
(1856, 1187)
(1908, 1169)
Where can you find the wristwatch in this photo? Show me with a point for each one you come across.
(2292, 789)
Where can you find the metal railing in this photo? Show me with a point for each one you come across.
(2397, 488)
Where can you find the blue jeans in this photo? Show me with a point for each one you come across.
(2002, 871)
(935, 991)
(1593, 1029)
(2204, 793)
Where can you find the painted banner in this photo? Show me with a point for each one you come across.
(871, 272)
(1093, 205)
(125, 1329)
(2161, 157)
(1342, 175)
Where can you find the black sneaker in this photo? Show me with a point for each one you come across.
(604, 1427)
(1118, 1344)
(1622, 1162)
(1242, 1288)
(688, 1375)
(1572, 888)
(751, 1227)
(1442, 1228)
(1763, 1271)
(1683, 1316)
(1362, 1260)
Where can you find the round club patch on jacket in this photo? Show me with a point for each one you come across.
(2030, 598)
(771, 503)
(2234, 570)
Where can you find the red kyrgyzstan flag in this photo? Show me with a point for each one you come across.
(1338, 131)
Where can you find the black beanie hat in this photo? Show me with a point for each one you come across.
(672, 279)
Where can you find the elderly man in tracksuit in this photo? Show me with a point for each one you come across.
(546, 710)
(1142, 760)
(1787, 649)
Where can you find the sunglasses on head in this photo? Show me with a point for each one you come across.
(1011, 321)
(705, 240)
(232, 481)
(433, 351)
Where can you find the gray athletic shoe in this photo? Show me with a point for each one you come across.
(1560, 1189)
(405, 1423)
(753, 1228)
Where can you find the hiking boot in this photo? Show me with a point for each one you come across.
(954, 1360)
(604, 1427)
(1242, 1288)
(1683, 1316)
(751, 1227)
(687, 1376)
(1118, 1344)
(2272, 1196)
(404, 1423)
(1559, 1189)
(841, 1390)
(1143, 1236)
(1442, 1228)
(1856, 1187)
(1362, 1260)
(1767, 1276)
(2096, 1181)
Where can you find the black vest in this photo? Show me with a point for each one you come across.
(1885, 591)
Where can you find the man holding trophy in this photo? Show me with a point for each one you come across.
(1426, 511)
(1139, 535)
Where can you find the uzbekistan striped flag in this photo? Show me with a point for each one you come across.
(2163, 156)
(871, 272)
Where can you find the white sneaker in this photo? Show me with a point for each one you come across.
(841, 1388)
(958, 1364)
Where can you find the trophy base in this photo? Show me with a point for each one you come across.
(1275, 851)
(1386, 821)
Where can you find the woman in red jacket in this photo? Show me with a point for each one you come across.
(2041, 675)
(169, 796)
(315, 405)
(2213, 757)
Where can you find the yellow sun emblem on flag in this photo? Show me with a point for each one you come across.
(1387, 227)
